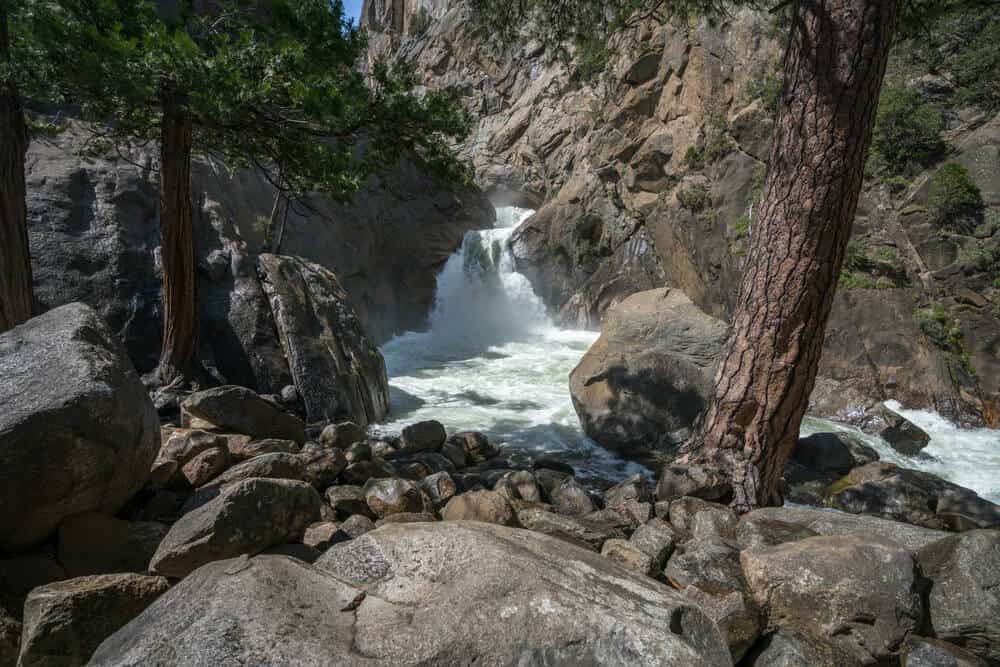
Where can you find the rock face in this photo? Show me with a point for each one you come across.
(245, 518)
(861, 594)
(642, 384)
(529, 599)
(77, 429)
(338, 372)
(65, 622)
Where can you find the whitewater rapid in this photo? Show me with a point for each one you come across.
(493, 361)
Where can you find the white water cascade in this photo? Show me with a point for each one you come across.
(492, 360)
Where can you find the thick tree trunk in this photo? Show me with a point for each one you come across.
(834, 67)
(180, 323)
(15, 262)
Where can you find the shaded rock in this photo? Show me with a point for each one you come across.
(362, 471)
(635, 488)
(589, 534)
(439, 487)
(826, 522)
(927, 652)
(94, 543)
(356, 526)
(455, 454)
(273, 466)
(338, 371)
(392, 496)
(320, 536)
(831, 455)
(406, 517)
(425, 436)
(78, 432)
(253, 448)
(161, 473)
(762, 532)
(629, 556)
(341, 435)
(205, 466)
(10, 638)
(705, 482)
(641, 385)
(322, 465)
(913, 496)
(738, 618)
(65, 622)
(182, 445)
(860, 594)
(20, 574)
(488, 506)
(476, 446)
(547, 603)
(359, 451)
(702, 518)
(347, 500)
(656, 539)
(242, 410)
(544, 463)
(245, 518)
(786, 648)
(903, 435)
(964, 600)
(711, 565)
(570, 498)
(302, 552)
(524, 486)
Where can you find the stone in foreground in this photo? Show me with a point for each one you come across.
(78, 432)
(437, 593)
(244, 518)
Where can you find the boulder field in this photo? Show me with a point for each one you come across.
(244, 532)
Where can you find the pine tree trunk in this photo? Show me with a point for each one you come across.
(15, 262)
(834, 67)
(180, 323)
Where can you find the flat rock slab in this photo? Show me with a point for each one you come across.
(434, 593)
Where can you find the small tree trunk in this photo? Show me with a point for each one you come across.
(180, 322)
(834, 67)
(15, 261)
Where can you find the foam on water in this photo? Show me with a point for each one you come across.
(492, 360)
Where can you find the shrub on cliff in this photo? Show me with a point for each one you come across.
(954, 201)
(907, 131)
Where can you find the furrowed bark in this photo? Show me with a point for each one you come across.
(15, 262)
(178, 357)
(834, 66)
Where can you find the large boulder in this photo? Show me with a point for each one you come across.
(641, 385)
(422, 593)
(78, 431)
(242, 410)
(94, 543)
(244, 518)
(964, 600)
(861, 594)
(65, 622)
(338, 371)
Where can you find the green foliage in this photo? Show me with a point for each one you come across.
(867, 268)
(592, 57)
(717, 143)
(694, 159)
(273, 89)
(856, 254)
(907, 131)
(983, 256)
(419, 22)
(695, 198)
(945, 332)
(742, 226)
(953, 200)
(849, 280)
(765, 84)
(990, 226)
(996, 282)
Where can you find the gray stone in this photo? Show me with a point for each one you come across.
(425, 436)
(718, 519)
(860, 594)
(705, 482)
(711, 565)
(341, 435)
(253, 448)
(762, 532)
(902, 435)
(570, 498)
(657, 539)
(323, 465)
(588, 534)
(347, 500)
(205, 466)
(355, 526)
(78, 432)
(476, 446)
(629, 556)
(362, 471)
(242, 410)
(65, 622)
(94, 543)
(359, 451)
(739, 619)
(392, 496)
(439, 487)
(244, 518)
(10, 638)
(785, 648)
(927, 652)
(488, 506)
(964, 600)
(272, 466)
(545, 603)
(320, 536)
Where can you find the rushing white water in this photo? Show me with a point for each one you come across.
(492, 360)
(969, 457)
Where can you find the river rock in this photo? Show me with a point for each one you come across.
(830, 455)
(65, 622)
(657, 539)
(475, 445)
(321, 465)
(570, 498)
(20, 574)
(964, 600)
(95, 543)
(695, 481)
(860, 594)
(242, 410)
(629, 556)
(545, 601)
(341, 435)
(488, 506)
(320, 535)
(439, 487)
(912, 496)
(362, 471)
(642, 384)
(244, 518)
(78, 432)
(355, 526)
(181, 445)
(425, 436)
(582, 532)
(927, 652)
(702, 518)
(902, 435)
(763, 532)
(393, 496)
(712, 565)
(279, 465)
(347, 500)
(787, 648)
(205, 466)
(244, 451)
(738, 618)
(359, 451)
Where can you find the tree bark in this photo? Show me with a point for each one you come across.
(15, 261)
(834, 66)
(180, 322)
